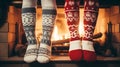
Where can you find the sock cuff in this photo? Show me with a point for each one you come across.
(87, 45)
(75, 45)
(49, 11)
(29, 10)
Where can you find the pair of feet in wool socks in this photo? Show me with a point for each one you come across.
(41, 54)
(82, 50)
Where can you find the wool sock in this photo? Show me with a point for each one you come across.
(90, 18)
(72, 16)
(48, 19)
(28, 20)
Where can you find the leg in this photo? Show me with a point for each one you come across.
(72, 16)
(90, 18)
(48, 18)
(28, 20)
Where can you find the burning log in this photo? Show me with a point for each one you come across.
(95, 36)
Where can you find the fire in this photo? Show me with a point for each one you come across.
(55, 35)
(58, 36)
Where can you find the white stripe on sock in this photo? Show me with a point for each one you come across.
(75, 45)
(87, 45)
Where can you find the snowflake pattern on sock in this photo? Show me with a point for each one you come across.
(48, 25)
(48, 20)
(30, 52)
(72, 16)
(29, 20)
(90, 17)
(29, 26)
(73, 31)
(44, 52)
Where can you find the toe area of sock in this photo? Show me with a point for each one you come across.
(89, 56)
(75, 55)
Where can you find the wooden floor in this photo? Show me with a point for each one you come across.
(57, 58)
(60, 61)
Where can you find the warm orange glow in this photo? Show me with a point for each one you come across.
(61, 31)
(55, 35)
(81, 29)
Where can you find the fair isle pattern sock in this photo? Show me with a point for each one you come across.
(72, 16)
(44, 51)
(28, 20)
(90, 18)
(48, 19)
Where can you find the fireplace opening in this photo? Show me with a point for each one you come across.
(60, 36)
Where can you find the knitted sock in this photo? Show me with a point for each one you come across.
(48, 18)
(28, 20)
(90, 17)
(72, 16)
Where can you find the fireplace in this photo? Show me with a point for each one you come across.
(60, 38)
(16, 43)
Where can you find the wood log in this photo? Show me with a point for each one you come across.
(60, 41)
(98, 35)
(95, 36)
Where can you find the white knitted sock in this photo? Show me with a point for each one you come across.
(44, 53)
(28, 20)
(31, 53)
(48, 18)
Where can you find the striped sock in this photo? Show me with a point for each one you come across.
(72, 15)
(48, 18)
(28, 20)
(90, 18)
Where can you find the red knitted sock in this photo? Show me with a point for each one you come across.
(90, 17)
(72, 16)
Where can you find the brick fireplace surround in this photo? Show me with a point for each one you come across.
(8, 41)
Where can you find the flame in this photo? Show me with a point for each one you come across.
(55, 35)
(81, 29)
